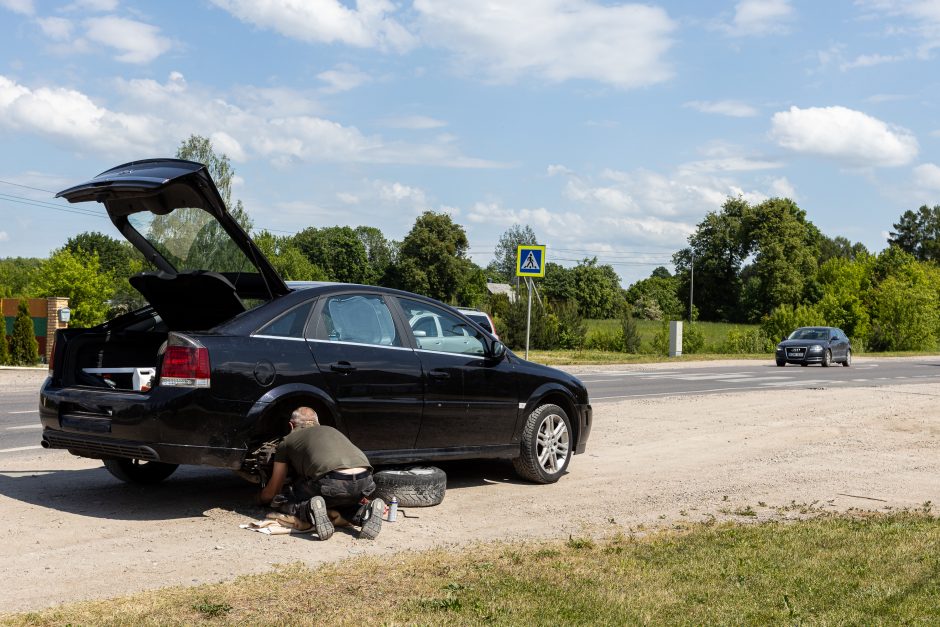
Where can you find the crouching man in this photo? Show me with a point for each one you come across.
(329, 472)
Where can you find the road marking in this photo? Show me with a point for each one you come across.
(19, 448)
(24, 427)
(603, 398)
(28, 411)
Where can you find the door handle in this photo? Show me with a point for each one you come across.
(343, 367)
(439, 374)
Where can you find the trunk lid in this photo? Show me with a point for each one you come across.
(172, 212)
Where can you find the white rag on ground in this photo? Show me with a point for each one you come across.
(271, 528)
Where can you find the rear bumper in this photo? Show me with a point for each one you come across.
(171, 425)
(99, 447)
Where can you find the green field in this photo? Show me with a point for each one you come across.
(715, 332)
(860, 570)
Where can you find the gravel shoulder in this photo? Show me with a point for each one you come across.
(73, 532)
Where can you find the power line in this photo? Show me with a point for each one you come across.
(38, 189)
(48, 205)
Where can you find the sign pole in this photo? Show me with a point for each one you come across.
(528, 319)
(530, 262)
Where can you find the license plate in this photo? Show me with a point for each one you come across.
(797, 352)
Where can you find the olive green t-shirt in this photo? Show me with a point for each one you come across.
(316, 450)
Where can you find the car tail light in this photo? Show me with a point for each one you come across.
(185, 363)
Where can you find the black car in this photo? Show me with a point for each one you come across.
(210, 370)
(815, 345)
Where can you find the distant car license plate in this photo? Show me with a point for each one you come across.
(797, 352)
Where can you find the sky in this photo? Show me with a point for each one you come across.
(610, 128)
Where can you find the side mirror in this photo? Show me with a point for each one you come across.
(833, 339)
(497, 350)
(420, 333)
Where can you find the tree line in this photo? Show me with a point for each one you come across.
(763, 263)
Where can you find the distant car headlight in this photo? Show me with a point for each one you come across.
(815, 348)
(779, 347)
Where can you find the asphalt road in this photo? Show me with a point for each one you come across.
(20, 430)
(616, 385)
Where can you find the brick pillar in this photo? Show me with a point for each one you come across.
(53, 305)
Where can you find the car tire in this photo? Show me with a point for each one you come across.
(827, 359)
(414, 486)
(546, 445)
(848, 359)
(781, 363)
(139, 472)
(804, 365)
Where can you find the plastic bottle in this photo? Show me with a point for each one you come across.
(393, 509)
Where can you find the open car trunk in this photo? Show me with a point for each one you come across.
(170, 210)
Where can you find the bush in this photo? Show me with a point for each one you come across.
(629, 332)
(660, 342)
(747, 341)
(24, 349)
(572, 331)
(693, 338)
(605, 340)
(781, 322)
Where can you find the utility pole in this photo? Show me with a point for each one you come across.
(691, 283)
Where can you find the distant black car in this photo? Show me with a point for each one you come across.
(815, 345)
(210, 370)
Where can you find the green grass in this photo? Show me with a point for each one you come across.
(867, 569)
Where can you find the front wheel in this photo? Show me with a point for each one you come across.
(827, 358)
(138, 471)
(781, 363)
(546, 445)
(848, 359)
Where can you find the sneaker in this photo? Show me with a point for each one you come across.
(372, 519)
(316, 514)
(289, 520)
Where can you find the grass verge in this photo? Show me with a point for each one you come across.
(867, 569)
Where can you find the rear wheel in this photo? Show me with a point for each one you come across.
(139, 471)
(546, 445)
(848, 359)
(827, 358)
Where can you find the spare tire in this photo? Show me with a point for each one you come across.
(414, 486)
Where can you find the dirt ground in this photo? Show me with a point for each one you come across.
(73, 532)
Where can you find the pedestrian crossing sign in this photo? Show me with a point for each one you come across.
(530, 260)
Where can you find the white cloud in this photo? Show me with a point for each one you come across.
(732, 108)
(556, 40)
(70, 117)
(398, 193)
(558, 170)
(23, 7)
(3, 236)
(927, 176)
(414, 122)
(228, 145)
(370, 25)
(871, 60)
(55, 28)
(728, 164)
(783, 188)
(845, 135)
(753, 18)
(135, 42)
(919, 23)
(347, 198)
(101, 6)
(342, 78)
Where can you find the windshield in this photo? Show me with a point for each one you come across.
(191, 239)
(810, 334)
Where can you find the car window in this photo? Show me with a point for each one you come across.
(359, 318)
(456, 335)
(481, 320)
(425, 325)
(290, 324)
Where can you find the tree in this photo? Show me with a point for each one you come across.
(79, 278)
(504, 263)
(658, 294)
(15, 273)
(379, 251)
(338, 251)
(717, 251)
(24, 349)
(839, 248)
(117, 258)
(597, 289)
(558, 284)
(431, 257)
(288, 261)
(918, 233)
(4, 344)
